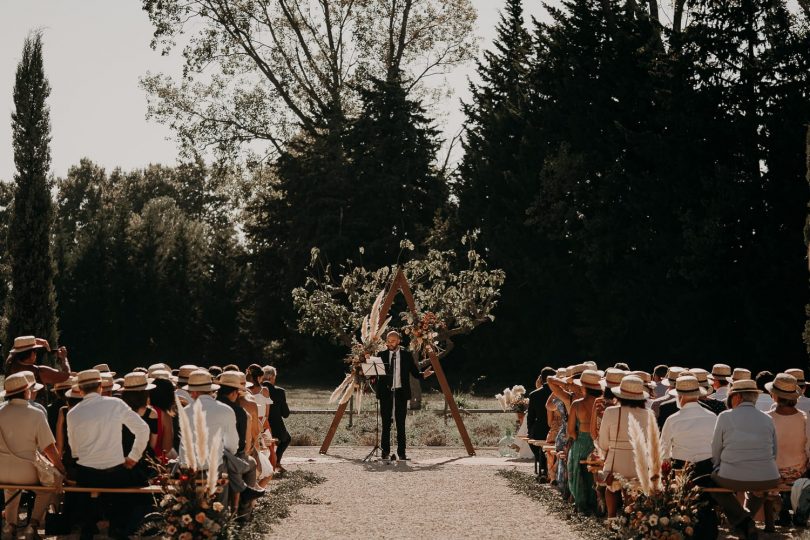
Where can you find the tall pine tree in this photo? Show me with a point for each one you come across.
(31, 304)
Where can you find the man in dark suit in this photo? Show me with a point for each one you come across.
(394, 392)
(537, 419)
(279, 410)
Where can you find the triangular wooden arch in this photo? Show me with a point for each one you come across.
(401, 285)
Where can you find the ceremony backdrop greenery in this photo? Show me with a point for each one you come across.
(639, 178)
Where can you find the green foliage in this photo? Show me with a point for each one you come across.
(31, 303)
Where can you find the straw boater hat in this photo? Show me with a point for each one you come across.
(184, 372)
(25, 343)
(232, 379)
(161, 374)
(702, 377)
(15, 384)
(576, 370)
(784, 386)
(104, 368)
(200, 381)
(590, 364)
(798, 374)
(672, 376)
(741, 374)
(84, 377)
(108, 382)
(613, 377)
(688, 385)
(136, 381)
(721, 372)
(590, 379)
(64, 385)
(743, 385)
(631, 388)
(562, 373)
(30, 377)
(158, 366)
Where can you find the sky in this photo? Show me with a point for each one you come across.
(95, 52)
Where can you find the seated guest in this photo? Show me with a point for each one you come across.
(23, 430)
(580, 481)
(614, 438)
(707, 400)
(23, 357)
(721, 373)
(658, 376)
(94, 435)
(279, 410)
(537, 419)
(34, 391)
(792, 450)
(135, 393)
(687, 434)
(108, 385)
(741, 374)
(744, 456)
(667, 405)
(219, 417)
(804, 402)
(59, 400)
(72, 398)
(182, 380)
(161, 398)
(764, 401)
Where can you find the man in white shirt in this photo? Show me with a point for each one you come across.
(687, 434)
(219, 418)
(94, 434)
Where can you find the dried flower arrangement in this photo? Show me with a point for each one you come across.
(189, 505)
(423, 331)
(514, 399)
(657, 504)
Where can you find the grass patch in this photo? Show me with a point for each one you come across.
(524, 483)
(276, 506)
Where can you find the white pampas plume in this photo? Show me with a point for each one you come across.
(340, 389)
(654, 443)
(374, 322)
(200, 433)
(186, 436)
(364, 330)
(347, 395)
(359, 400)
(214, 455)
(518, 391)
(507, 396)
(501, 401)
(640, 453)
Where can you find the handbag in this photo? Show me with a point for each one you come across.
(47, 474)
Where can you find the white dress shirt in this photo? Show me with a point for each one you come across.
(218, 417)
(764, 402)
(687, 434)
(803, 404)
(396, 366)
(721, 393)
(94, 431)
(183, 395)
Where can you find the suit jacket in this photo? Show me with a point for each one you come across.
(536, 417)
(407, 368)
(279, 410)
(666, 410)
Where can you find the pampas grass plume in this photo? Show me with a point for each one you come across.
(200, 434)
(640, 452)
(186, 435)
(214, 456)
(654, 444)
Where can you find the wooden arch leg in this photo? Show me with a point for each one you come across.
(333, 428)
(451, 403)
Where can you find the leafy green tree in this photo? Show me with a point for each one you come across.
(31, 307)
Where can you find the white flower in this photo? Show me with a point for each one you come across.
(653, 520)
(664, 521)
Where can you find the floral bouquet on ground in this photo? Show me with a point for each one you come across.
(514, 399)
(658, 504)
(189, 506)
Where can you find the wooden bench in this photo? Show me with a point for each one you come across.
(94, 492)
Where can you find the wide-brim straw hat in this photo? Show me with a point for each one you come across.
(108, 383)
(720, 372)
(35, 386)
(672, 376)
(234, 379)
(798, 374)
(744, 385)
(613, 377)
(200, 381)
(185, 372)
(136, 382)
(104, 368)
(784, 386)
(688, 385)
(590, 379)
(25, 343)
(84, 377)
(632, 388)
(162, 374)
(741, 374)
(67, 384)
(703, 379)
(15, 384)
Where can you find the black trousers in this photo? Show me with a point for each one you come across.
(284, 439)
(540, 459)
(125, 511)
(393, 406)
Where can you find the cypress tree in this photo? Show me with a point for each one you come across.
(32, 300)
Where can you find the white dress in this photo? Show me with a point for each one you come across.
(524, 450)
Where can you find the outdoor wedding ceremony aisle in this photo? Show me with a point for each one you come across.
(440, 493)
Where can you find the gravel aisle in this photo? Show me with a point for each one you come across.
(437, 495)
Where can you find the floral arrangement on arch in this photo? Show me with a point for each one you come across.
(660, 503)
(189, 506)
(423, 331)
(514, 399)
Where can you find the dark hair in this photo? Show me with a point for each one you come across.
(225, 391)
(622, 366)
(632, 403)
(763, 378)
(71, 401)
(215, 371)
(231, 367)
(136, 399)
(593, 393)
(545, 373)
(254, 372)
(660, 371)
(608, 394)
(162, 395)
(785, 402)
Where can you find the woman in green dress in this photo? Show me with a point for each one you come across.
(580, 481)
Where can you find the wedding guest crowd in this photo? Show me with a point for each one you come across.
(745, 436)
(104, 432)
